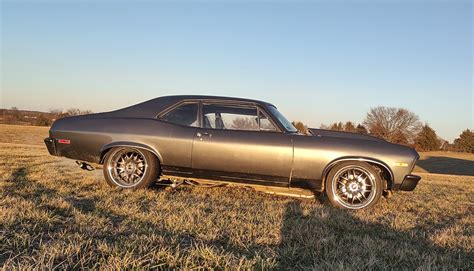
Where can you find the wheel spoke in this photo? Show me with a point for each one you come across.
(353, 186)
(127, 167)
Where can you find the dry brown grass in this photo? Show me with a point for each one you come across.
(453, 163)
(22, 134)
(53, 214)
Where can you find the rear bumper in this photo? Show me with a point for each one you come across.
(51, 145)
(409, 183)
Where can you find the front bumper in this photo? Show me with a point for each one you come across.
(51, 145)
(409, 183)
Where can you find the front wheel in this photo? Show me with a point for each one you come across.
(133, 168)
(353, 185)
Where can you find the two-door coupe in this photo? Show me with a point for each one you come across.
(232, 140)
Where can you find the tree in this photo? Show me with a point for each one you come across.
(15, 113)
(361, 129)
(337, 126)
(301, 127)
(43, 121)
(73, 112)
(465, 142)
(396, 125)
(59, 113)
(243, 123)
(349, 127)
(427, 140)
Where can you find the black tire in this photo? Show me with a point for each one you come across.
(139, 176)
(353, 185)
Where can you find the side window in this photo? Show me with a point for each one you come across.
(266, 124)
(185, 114)
(227, 117)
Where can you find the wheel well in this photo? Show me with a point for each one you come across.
(384, 172)
(106, 150)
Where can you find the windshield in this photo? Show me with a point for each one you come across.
(288, 126)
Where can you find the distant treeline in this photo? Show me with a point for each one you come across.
(398, 125)
(25, 117)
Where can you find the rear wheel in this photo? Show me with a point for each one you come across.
(353, 185)
(130, 168)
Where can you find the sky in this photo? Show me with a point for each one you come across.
(317, 61)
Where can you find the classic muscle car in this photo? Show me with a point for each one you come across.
(232, 140)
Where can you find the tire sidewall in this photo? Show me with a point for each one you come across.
(330, 179)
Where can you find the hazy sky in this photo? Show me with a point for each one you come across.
(318, 62)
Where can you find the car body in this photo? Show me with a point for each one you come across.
(228, 139)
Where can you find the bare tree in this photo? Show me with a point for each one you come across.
(361, 129)
(300, 126)
(73, 112)
(396, 125)
(86, 112)
(244, 123)
(70, 112)
(42, 120)
(56, 111)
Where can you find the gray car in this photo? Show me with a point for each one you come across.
(232, 140)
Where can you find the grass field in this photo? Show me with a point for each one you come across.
(53, 214)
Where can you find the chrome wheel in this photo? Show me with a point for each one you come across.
(127, 167)
(354, 187)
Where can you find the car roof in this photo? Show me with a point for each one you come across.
(151, 108)
(178, 98)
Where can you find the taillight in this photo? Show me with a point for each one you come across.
(64, 141)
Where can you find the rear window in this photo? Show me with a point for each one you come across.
(186, 115)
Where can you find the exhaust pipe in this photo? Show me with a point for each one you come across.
(85, 166)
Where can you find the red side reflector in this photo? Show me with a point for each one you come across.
(64, 141)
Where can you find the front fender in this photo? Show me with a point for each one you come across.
(369, 160)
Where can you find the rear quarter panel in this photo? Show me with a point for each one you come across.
(89, 136)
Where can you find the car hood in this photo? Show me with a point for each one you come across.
(340, 134)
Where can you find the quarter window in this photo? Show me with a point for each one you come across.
(185, 114)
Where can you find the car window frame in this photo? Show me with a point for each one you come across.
(270, 118)
(261, 108)
(282, 127)
(177, 105)
(258, 108)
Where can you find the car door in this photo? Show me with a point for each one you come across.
(239, 143)
(174, 137)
